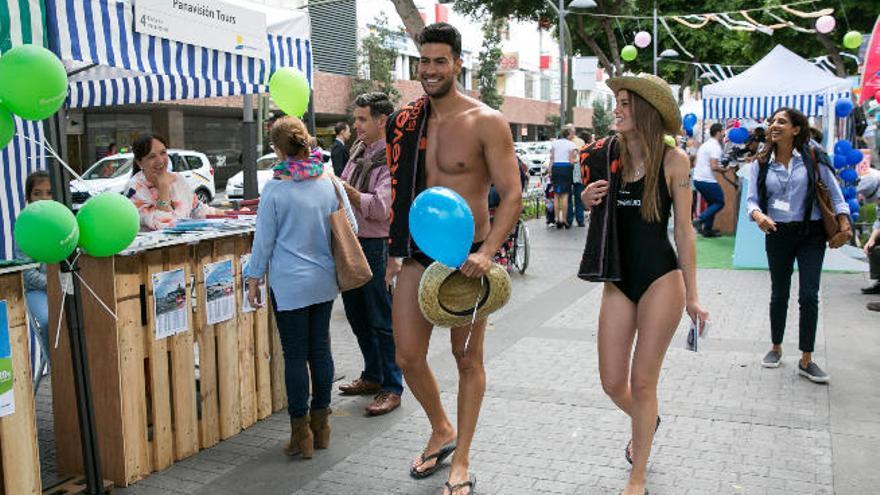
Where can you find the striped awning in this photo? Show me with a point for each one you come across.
(21, 22)
(812, 105)
(156, 69)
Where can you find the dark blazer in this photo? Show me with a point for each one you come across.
(339, 156)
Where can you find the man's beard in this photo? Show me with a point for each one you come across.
(441, 90)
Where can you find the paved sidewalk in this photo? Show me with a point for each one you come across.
(729, 426)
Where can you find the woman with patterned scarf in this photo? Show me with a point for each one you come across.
(292, 243)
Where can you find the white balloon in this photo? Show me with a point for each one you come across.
(825, 24)
(643, 39)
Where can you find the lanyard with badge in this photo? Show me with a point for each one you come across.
(782, 204)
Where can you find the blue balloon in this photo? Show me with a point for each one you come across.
(855, 215)
(849, 175)
(840, 161)
(442, 225)
(689, 131)
(843, 107)
(738, 135)
(854, 157)
(689, 121)
(850, 192)
(853, 205)
(842, 147)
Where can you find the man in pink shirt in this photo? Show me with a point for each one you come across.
(368, 308)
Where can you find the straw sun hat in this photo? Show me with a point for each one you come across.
(447, 298)
(656, 92)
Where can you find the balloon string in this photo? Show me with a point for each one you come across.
(48, 147)
(86, 285)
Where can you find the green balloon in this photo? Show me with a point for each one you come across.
(33, 82)
(629, 53)
(107, 224)
(290, 91)
(46, 231)
(852, 39)
(7, 127)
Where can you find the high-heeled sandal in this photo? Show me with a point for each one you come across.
(627, 452)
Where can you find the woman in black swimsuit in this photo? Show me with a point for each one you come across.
(647, 286)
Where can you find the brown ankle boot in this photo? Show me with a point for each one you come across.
(320, 426)
(301, 439)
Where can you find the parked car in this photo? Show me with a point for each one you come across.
(235, 184)
(536, 155)
(112, 173)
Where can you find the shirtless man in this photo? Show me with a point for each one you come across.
(468, 147)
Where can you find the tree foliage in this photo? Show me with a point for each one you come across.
(489, 60)
(604, 37)
(602, 118)
(377, 57)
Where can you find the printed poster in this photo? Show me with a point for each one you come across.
(245, 305)
(7, 394)
(219, 291)
(169, 298)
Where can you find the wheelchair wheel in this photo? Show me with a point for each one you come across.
(521, 247)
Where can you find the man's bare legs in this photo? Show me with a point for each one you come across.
(412, 334)
(471, 388)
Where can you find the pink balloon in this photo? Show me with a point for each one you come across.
(643, 39)
(825, 24)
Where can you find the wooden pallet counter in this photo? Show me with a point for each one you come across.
(160, 399)
(19, 451)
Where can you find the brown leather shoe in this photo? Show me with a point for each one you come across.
(360, 387)
(384, 403)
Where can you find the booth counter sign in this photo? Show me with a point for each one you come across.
(211, 24)
(7, 398)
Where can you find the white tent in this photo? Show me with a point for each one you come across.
(781, 78)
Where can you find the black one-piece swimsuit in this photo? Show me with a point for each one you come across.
(645, 251)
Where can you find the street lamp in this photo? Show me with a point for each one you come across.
(669, 53)
(563, 27)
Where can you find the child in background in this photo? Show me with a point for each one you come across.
(37, 188)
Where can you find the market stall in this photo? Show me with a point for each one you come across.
(182, 402)
(185, 364)
(19, 453)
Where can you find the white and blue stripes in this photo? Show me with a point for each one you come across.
(151, 88)
(189, 71)
(747, 107)
(18, 159)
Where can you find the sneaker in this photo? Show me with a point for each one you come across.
(873, 306)
(813, 373)
(872, 289)
(772, 360)
(709, 233)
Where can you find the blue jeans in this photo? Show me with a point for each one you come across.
(38, 307)
(368, 310)
(305, 338)
(575, 206)
(715, 197)
(789, 243)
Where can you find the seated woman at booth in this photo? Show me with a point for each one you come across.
(162, 197)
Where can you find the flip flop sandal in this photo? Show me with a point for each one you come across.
(469, 484)
(627, 453)
(440, 456)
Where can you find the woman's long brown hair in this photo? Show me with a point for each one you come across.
(797, 119)
(649, 128)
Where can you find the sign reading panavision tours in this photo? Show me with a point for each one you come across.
(211, 24)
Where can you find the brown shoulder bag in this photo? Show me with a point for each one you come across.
(352, 268)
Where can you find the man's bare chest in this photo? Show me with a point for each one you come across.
(453, 150)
